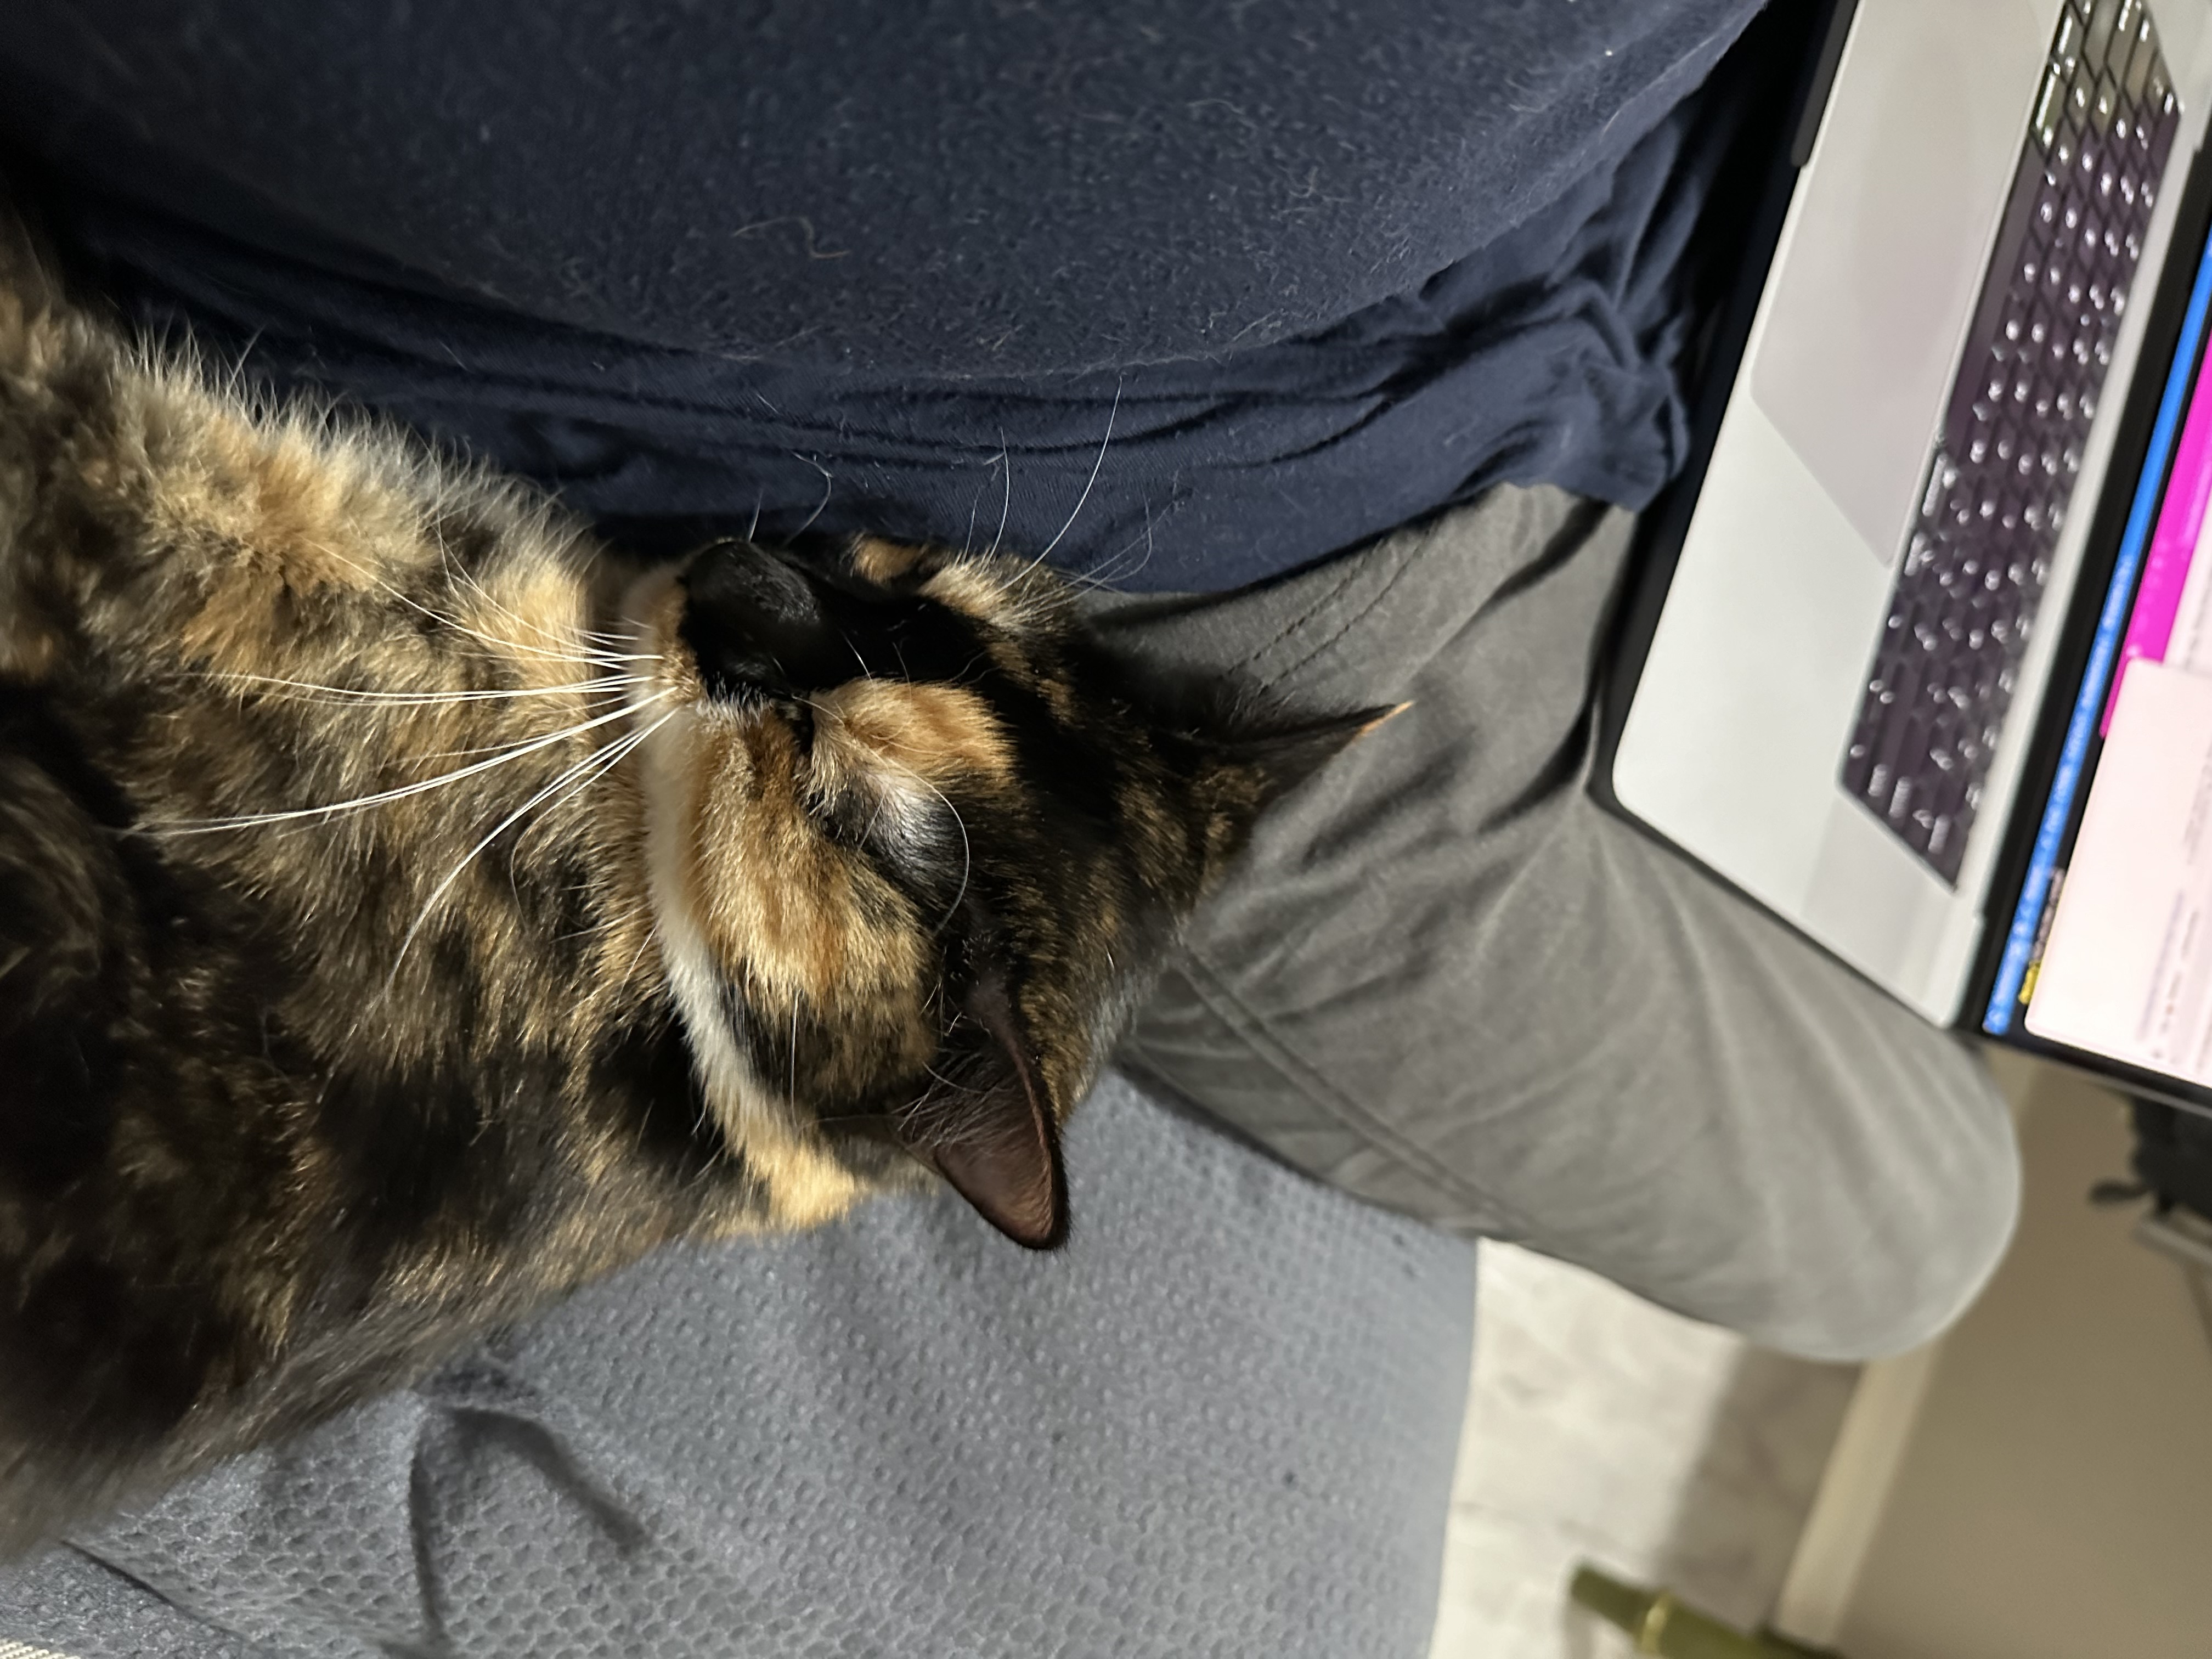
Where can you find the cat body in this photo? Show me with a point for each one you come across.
(409, 913)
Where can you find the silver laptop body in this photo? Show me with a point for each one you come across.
(1781, 729)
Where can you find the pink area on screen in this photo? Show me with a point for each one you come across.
(2173, 544)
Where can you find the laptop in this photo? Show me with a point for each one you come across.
(1920, 653)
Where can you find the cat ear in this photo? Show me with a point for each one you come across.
(1280, 759)
(986, 1126)
(1239, 776)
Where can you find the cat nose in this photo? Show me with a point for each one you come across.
(757, 621)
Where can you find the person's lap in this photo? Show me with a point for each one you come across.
(1218, 1421)
(1445, 980)
(1442, 981)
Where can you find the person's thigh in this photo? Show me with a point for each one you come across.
(1443, 979)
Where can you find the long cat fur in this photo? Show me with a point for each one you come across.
(409, 913)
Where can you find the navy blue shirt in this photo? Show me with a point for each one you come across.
(1187, 294)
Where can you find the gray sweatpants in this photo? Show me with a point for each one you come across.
(1445, 980)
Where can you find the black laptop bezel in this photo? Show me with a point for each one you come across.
(2192, 229)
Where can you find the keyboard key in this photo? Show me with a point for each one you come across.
(2104, 15)
(2104, 102)
(2139, 62)
(2058, 166)
(2066, 50)
(2050, 108)
(2050, 203)
(2081, 95)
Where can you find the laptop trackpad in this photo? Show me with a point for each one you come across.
(1923, 132)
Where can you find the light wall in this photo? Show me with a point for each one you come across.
(2053, 1499)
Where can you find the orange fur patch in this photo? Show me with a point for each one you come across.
(880, 561)
(776, 900)
(972, 590)
(937, 732)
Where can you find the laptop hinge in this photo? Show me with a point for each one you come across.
(1823, 81)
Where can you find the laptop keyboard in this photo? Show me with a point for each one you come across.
(2000, 483)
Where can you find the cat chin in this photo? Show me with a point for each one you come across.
(801, 1177)
(749, 1111)
(707, 764)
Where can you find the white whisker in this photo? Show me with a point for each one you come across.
(605, 757)
(195, 827)
(1005, 500)
(1100, 578)
(469, 580)
(1095, 466)
(431, 699)
(967, 542)
(499, 747)
(820, 507)
(575, 629)
(600, 658)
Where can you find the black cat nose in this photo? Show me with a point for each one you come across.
(757, 621)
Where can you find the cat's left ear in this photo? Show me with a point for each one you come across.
(1278, 760)
(987, 1125)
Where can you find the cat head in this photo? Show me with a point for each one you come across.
(916, 843)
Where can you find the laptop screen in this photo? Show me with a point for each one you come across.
(2109, 949)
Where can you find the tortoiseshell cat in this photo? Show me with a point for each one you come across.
(408, 913)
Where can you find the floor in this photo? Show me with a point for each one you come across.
(1601, 1429)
